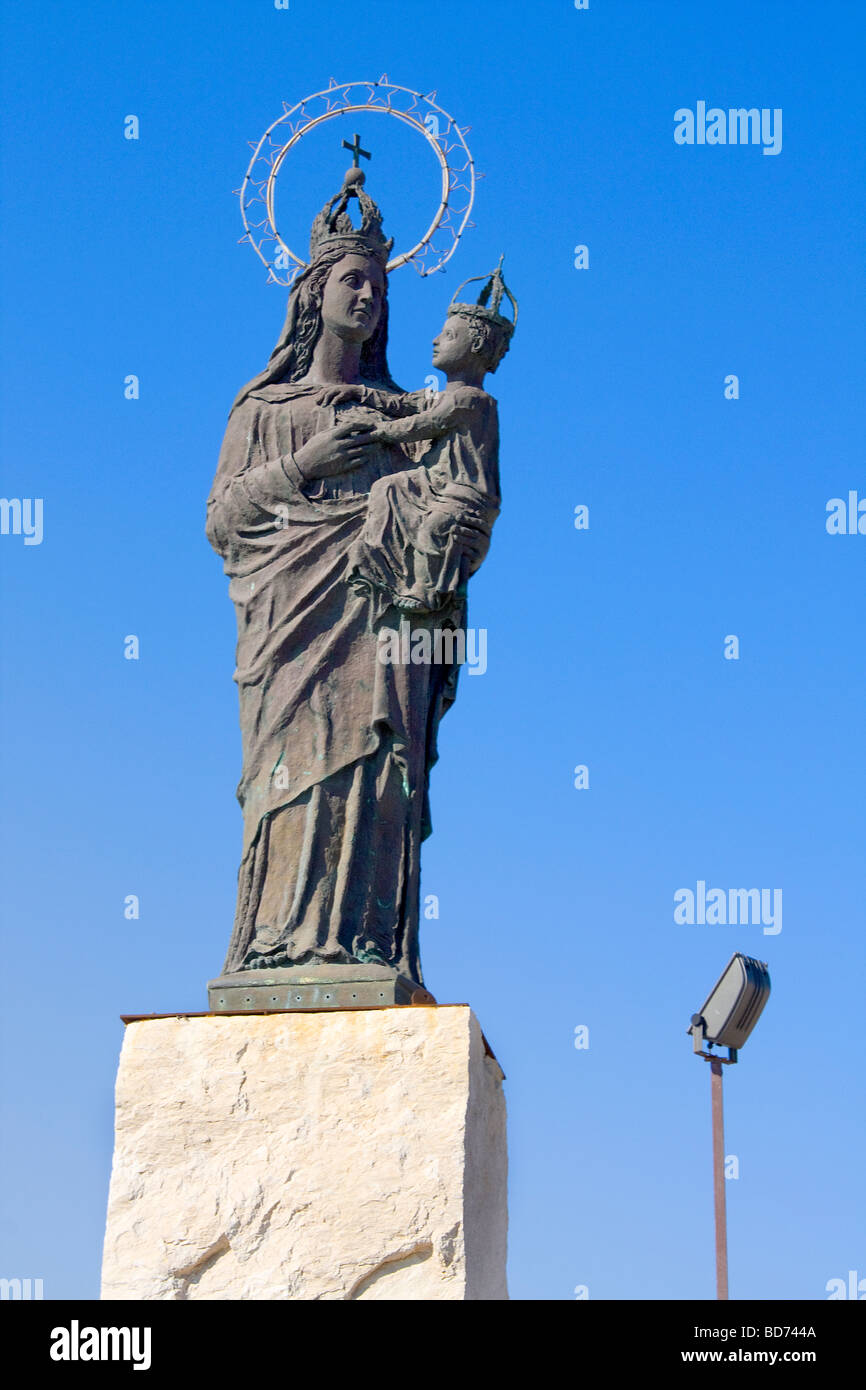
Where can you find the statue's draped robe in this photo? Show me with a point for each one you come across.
(337, 745)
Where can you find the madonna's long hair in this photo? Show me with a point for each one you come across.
(291, 358)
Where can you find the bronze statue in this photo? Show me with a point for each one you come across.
(341, 506)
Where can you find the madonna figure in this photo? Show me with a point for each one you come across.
(337, 743)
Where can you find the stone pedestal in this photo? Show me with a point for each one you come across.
(337, 1155)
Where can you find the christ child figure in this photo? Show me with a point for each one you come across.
(411, 543)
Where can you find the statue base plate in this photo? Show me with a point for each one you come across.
(313, 987)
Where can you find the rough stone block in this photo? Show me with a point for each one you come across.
(343, 1155)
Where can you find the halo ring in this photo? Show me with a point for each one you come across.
(276, 156)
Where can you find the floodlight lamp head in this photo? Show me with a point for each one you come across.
(733, 1006)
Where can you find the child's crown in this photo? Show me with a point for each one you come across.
(489, 300)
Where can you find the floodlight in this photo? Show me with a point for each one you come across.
(727, 1017)
(733, 1006)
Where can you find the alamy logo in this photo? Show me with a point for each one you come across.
(729, 907)
(21, 1288)
(738, 125)
(846, 518)
(22, 516)
(854, 1287)
(76, 1343)
(438, 646)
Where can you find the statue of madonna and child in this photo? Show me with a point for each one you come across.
(345, 508)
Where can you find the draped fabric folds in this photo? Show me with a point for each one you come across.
(337, 744)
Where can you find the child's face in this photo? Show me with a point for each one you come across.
(452, 349)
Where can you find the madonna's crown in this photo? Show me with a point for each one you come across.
(333, 227)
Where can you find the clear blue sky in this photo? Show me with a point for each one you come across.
(605, 647)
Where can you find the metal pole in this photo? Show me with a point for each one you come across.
(719, 1178)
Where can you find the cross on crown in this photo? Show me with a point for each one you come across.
(355, 146)
(333, 227)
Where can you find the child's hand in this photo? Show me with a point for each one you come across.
(360, 416)
(342, 395)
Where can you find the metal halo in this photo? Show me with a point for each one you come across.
(270, 155)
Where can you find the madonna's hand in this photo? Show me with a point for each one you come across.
(334, 451)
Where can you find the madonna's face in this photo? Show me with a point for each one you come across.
(352, 301)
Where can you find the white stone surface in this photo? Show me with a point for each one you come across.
(350, 1155)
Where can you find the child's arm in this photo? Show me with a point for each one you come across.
(437, 419)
